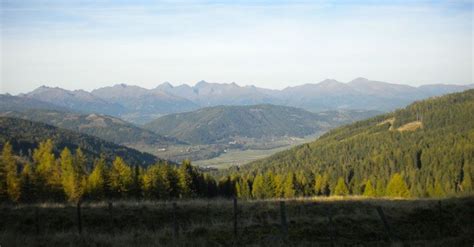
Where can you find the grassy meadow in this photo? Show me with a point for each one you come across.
(310, 222)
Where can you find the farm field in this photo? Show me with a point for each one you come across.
(309, 222)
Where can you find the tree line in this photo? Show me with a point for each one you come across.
(70, 177)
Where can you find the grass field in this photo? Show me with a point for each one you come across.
(310, 222)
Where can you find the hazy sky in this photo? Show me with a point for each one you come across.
(272, 44)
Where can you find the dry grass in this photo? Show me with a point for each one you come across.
(412, 126)
(210, 223)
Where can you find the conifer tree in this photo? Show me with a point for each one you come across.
(258, 190)
(466, 184)
(154, 182)
(278, 183)
(48, 172)
(341, 188)
(289, 187)
(185, 174)
(243, 189)
(438, 190)
(69, 183)
(318, 184)
(379, 188)
(13, 188)
(97, 180)
(369, 190)
(397, 187)
(28, 185)
(120, 177)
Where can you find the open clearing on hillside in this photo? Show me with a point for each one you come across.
(309, 222)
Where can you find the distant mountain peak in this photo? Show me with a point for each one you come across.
(201, 83)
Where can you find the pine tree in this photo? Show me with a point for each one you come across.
(80, 164)
(341, 188)
(397, 187)
(369, 190)
(289, 187)
(120, 177)
(13, 188)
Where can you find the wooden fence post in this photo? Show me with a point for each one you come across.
(332, 228)
(79, 218)
(440, 218)
(37, 227)
(175, 222)
(235, 218)
(284, 225)
(385, 223)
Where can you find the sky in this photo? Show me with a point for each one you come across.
(270, 44)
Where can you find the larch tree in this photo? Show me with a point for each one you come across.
(466, 184)
(68, 175)
(120, 177)
(185, 174)
(258, 190)
(341, 188)
(397, 187)
(97, 180)
(13, 188)
(289, 186)
(369, 190)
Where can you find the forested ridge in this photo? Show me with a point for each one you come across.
(25, 135)
(426, 149)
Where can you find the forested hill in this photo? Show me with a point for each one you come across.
(228, 123)
(25, 135)
(105, 127)
(430, 144)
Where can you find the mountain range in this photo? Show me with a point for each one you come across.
(140, 105)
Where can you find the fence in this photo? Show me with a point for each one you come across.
(334, 220)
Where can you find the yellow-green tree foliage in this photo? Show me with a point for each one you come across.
(341, 188)
(120, 177)
(68, 175)
(289, 186)
(258, 190)
(369, 190)
(97, 180)
(73, 175)
(397, 187)
(185, 175)
(242, 189)
(13, 188)
(155, 184)
(48, 171)
(466, 185)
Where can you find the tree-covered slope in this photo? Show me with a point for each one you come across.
(225, 123)
(105, 127)
(430, 143)
(25, 135)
